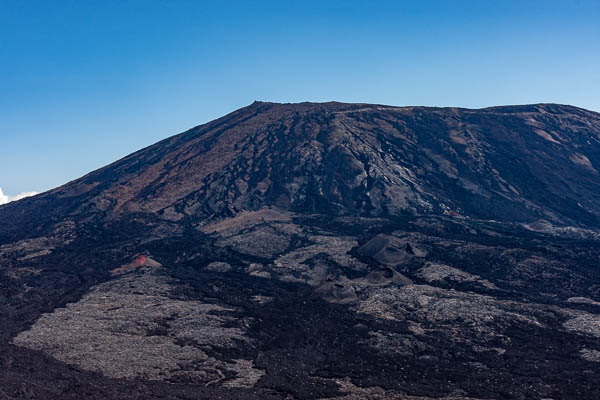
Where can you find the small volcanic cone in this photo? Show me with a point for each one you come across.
(140, 261)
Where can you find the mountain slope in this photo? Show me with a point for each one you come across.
(317, 251)
(506, 163)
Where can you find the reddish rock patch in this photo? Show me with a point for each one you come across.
(139, 261)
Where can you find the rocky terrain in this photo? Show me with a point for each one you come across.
(317, 251)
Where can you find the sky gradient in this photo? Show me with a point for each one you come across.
(83, 83)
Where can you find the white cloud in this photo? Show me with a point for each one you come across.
(7, 199)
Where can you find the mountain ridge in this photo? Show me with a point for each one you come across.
(451, 124)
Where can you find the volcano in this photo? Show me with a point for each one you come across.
(317, 251)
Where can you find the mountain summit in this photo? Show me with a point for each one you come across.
(317, 250)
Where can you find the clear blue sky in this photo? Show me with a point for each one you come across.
(83, 83)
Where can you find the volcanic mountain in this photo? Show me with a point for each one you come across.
(317, 251)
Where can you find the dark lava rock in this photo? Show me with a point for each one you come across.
(317, 251)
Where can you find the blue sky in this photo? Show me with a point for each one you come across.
(83, 83)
